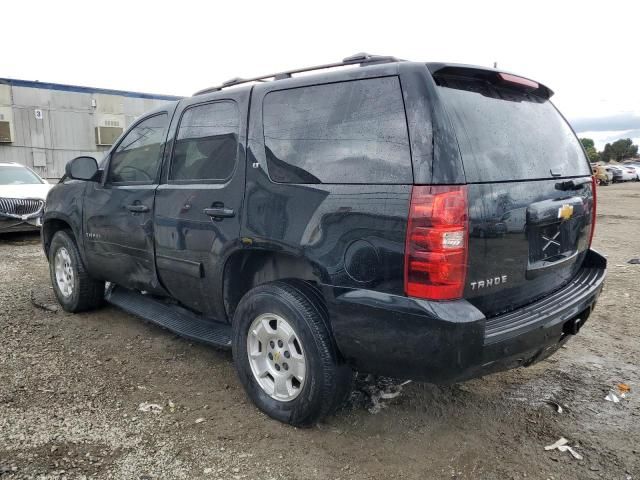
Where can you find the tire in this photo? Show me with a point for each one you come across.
(309, 290)
(83, 292)
(326, 381)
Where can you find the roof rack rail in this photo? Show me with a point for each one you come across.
(361, 59)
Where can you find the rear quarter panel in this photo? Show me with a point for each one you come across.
(352, 234)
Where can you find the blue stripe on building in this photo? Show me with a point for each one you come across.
(77, 89)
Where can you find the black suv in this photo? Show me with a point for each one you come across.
(429, 221)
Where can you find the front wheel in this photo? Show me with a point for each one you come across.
(74, 288)
(285, 356)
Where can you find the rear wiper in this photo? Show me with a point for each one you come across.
(572, 184)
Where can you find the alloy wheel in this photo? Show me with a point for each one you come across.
(276, 357)
(64, 272)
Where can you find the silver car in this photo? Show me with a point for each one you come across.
(22, 196)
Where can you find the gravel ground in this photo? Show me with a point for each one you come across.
(71, 387)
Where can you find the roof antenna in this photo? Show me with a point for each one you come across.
(495, 64)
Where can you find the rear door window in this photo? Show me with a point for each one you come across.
(206, 145)
(507, 134)
(346, 132)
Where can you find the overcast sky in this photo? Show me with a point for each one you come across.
(587, 52)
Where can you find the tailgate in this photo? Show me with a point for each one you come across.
(529, 187)
(526, 240)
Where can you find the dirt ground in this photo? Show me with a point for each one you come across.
(71, 387)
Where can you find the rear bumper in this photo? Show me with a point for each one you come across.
(444, 342)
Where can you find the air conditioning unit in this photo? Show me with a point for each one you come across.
(107, 135)
(5, 131)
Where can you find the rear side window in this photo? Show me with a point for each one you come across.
(137, 157)
(507, 134)
(347, 132)
(207, 143)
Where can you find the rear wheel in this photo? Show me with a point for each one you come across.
(285, 356)
(74, 288)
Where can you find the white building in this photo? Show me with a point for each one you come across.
(44, 125)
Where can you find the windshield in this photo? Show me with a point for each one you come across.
(18, 176)
(509, 134)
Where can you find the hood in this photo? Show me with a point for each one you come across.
(36, 190)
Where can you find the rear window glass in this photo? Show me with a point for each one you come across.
(347, 132)
(207, 143)
(507, 134)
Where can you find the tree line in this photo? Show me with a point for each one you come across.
(618, 150)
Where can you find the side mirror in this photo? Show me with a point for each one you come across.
(82, 168)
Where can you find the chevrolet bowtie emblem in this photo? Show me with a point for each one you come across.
(565, 212)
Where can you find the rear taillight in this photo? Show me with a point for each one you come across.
(435, 261)
(593, 209)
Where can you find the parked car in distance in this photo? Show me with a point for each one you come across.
(617, 174)
(635, 167)
(22, 197)
(396, 218)
(623, 174)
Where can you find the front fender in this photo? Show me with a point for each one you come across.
(63, 209)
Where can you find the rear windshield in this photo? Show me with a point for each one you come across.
(17, 176)
(508, 134)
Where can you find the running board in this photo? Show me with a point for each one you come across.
(172, 317)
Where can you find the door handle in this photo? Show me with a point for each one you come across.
(137, 208)
(219, 212)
